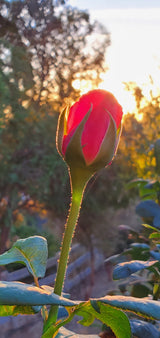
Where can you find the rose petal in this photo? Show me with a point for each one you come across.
(93, 134)
(97, 124)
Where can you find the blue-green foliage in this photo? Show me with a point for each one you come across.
(143, 329)
(16, 297)
(149, 209)
(17, 293)
(139, 273)
(138, 267)
(124, 270)
(32, 252)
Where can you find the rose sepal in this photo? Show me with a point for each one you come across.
(60, 129)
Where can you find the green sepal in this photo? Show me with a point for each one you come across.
(60, 130)
(80, 173)
(119, 131)
(74, 154)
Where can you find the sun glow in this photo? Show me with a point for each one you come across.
(134, 53)
(133, 56)
(125, 98)
(83, 85)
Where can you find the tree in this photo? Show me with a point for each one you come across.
(44, 47)
(63, 45)
(139, 136)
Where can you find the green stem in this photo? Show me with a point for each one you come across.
(78, 183)
(69, 230)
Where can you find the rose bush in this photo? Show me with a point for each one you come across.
(87, 138)
(89, 132)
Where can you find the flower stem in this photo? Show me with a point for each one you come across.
(77, 189)
(69, 230)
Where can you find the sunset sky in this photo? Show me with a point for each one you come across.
(134, 54)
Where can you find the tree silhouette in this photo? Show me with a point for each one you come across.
(44, 46)
(63, 46)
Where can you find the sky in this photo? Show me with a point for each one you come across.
(103, 4)
(134, 54)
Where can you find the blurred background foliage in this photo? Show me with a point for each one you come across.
(45, 48)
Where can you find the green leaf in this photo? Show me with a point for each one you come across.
(137, 183)
(87, 320)
(147, 193)
(86, 312)
(143, 307)
(14, 310)
(83, 309)
(110, 311)
(156, 291)
(115, 319)
(17, 293)
(142, 246)
(151, 227)
(155, 235)
(141, 290)
(53, 329)
(31, 252)
(138, 251)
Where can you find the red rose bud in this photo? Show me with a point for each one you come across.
(88, 134)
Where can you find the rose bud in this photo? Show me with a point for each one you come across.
(88, 133)
(87, 139)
